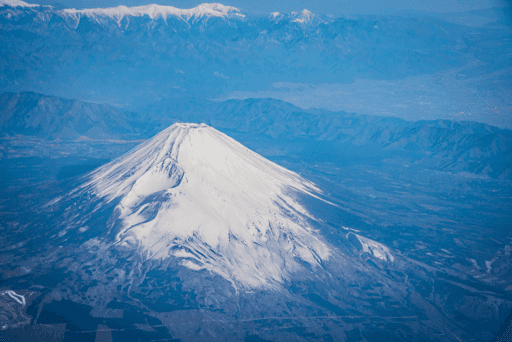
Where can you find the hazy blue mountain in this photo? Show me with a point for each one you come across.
(441, 145)
(128, 58)
(50, 117)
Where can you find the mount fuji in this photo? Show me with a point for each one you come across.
(193, 193)
(191, 235)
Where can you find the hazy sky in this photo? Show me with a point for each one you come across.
(336, 7)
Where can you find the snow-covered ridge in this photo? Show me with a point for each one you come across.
(303, 17)
(195, 194)
(16, 3)
(157, 11)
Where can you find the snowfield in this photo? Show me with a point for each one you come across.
(193, 193)
(156, 11)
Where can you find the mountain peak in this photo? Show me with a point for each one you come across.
(303, 16)
(158, 11)
(16, 3)
(195, 194)
(306, 17)
(190, 125)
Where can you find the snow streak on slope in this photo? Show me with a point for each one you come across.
(371, 247)
(157, 11)
(192, 192)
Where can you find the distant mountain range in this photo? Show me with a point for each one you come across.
(442, 145)
(131, 55)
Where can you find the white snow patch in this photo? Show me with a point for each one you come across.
(218, 74)
(475, 263)
(304, 16)
(16, 3)
(347, 228)
(83, 229)
(488, 264)
(221, 207)
(375, 248)
(191, 265)
(19, 298)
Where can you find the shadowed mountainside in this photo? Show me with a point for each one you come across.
(50, 117)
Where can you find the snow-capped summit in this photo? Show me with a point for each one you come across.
(195, 194)
(16, 3)
(306, 17)
(157, 11)
(302, 17)
(275, 15)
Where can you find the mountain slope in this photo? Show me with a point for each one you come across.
(441, 145)
(193, 193)
(52, 117)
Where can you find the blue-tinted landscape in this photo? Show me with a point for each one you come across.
(229, 172)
